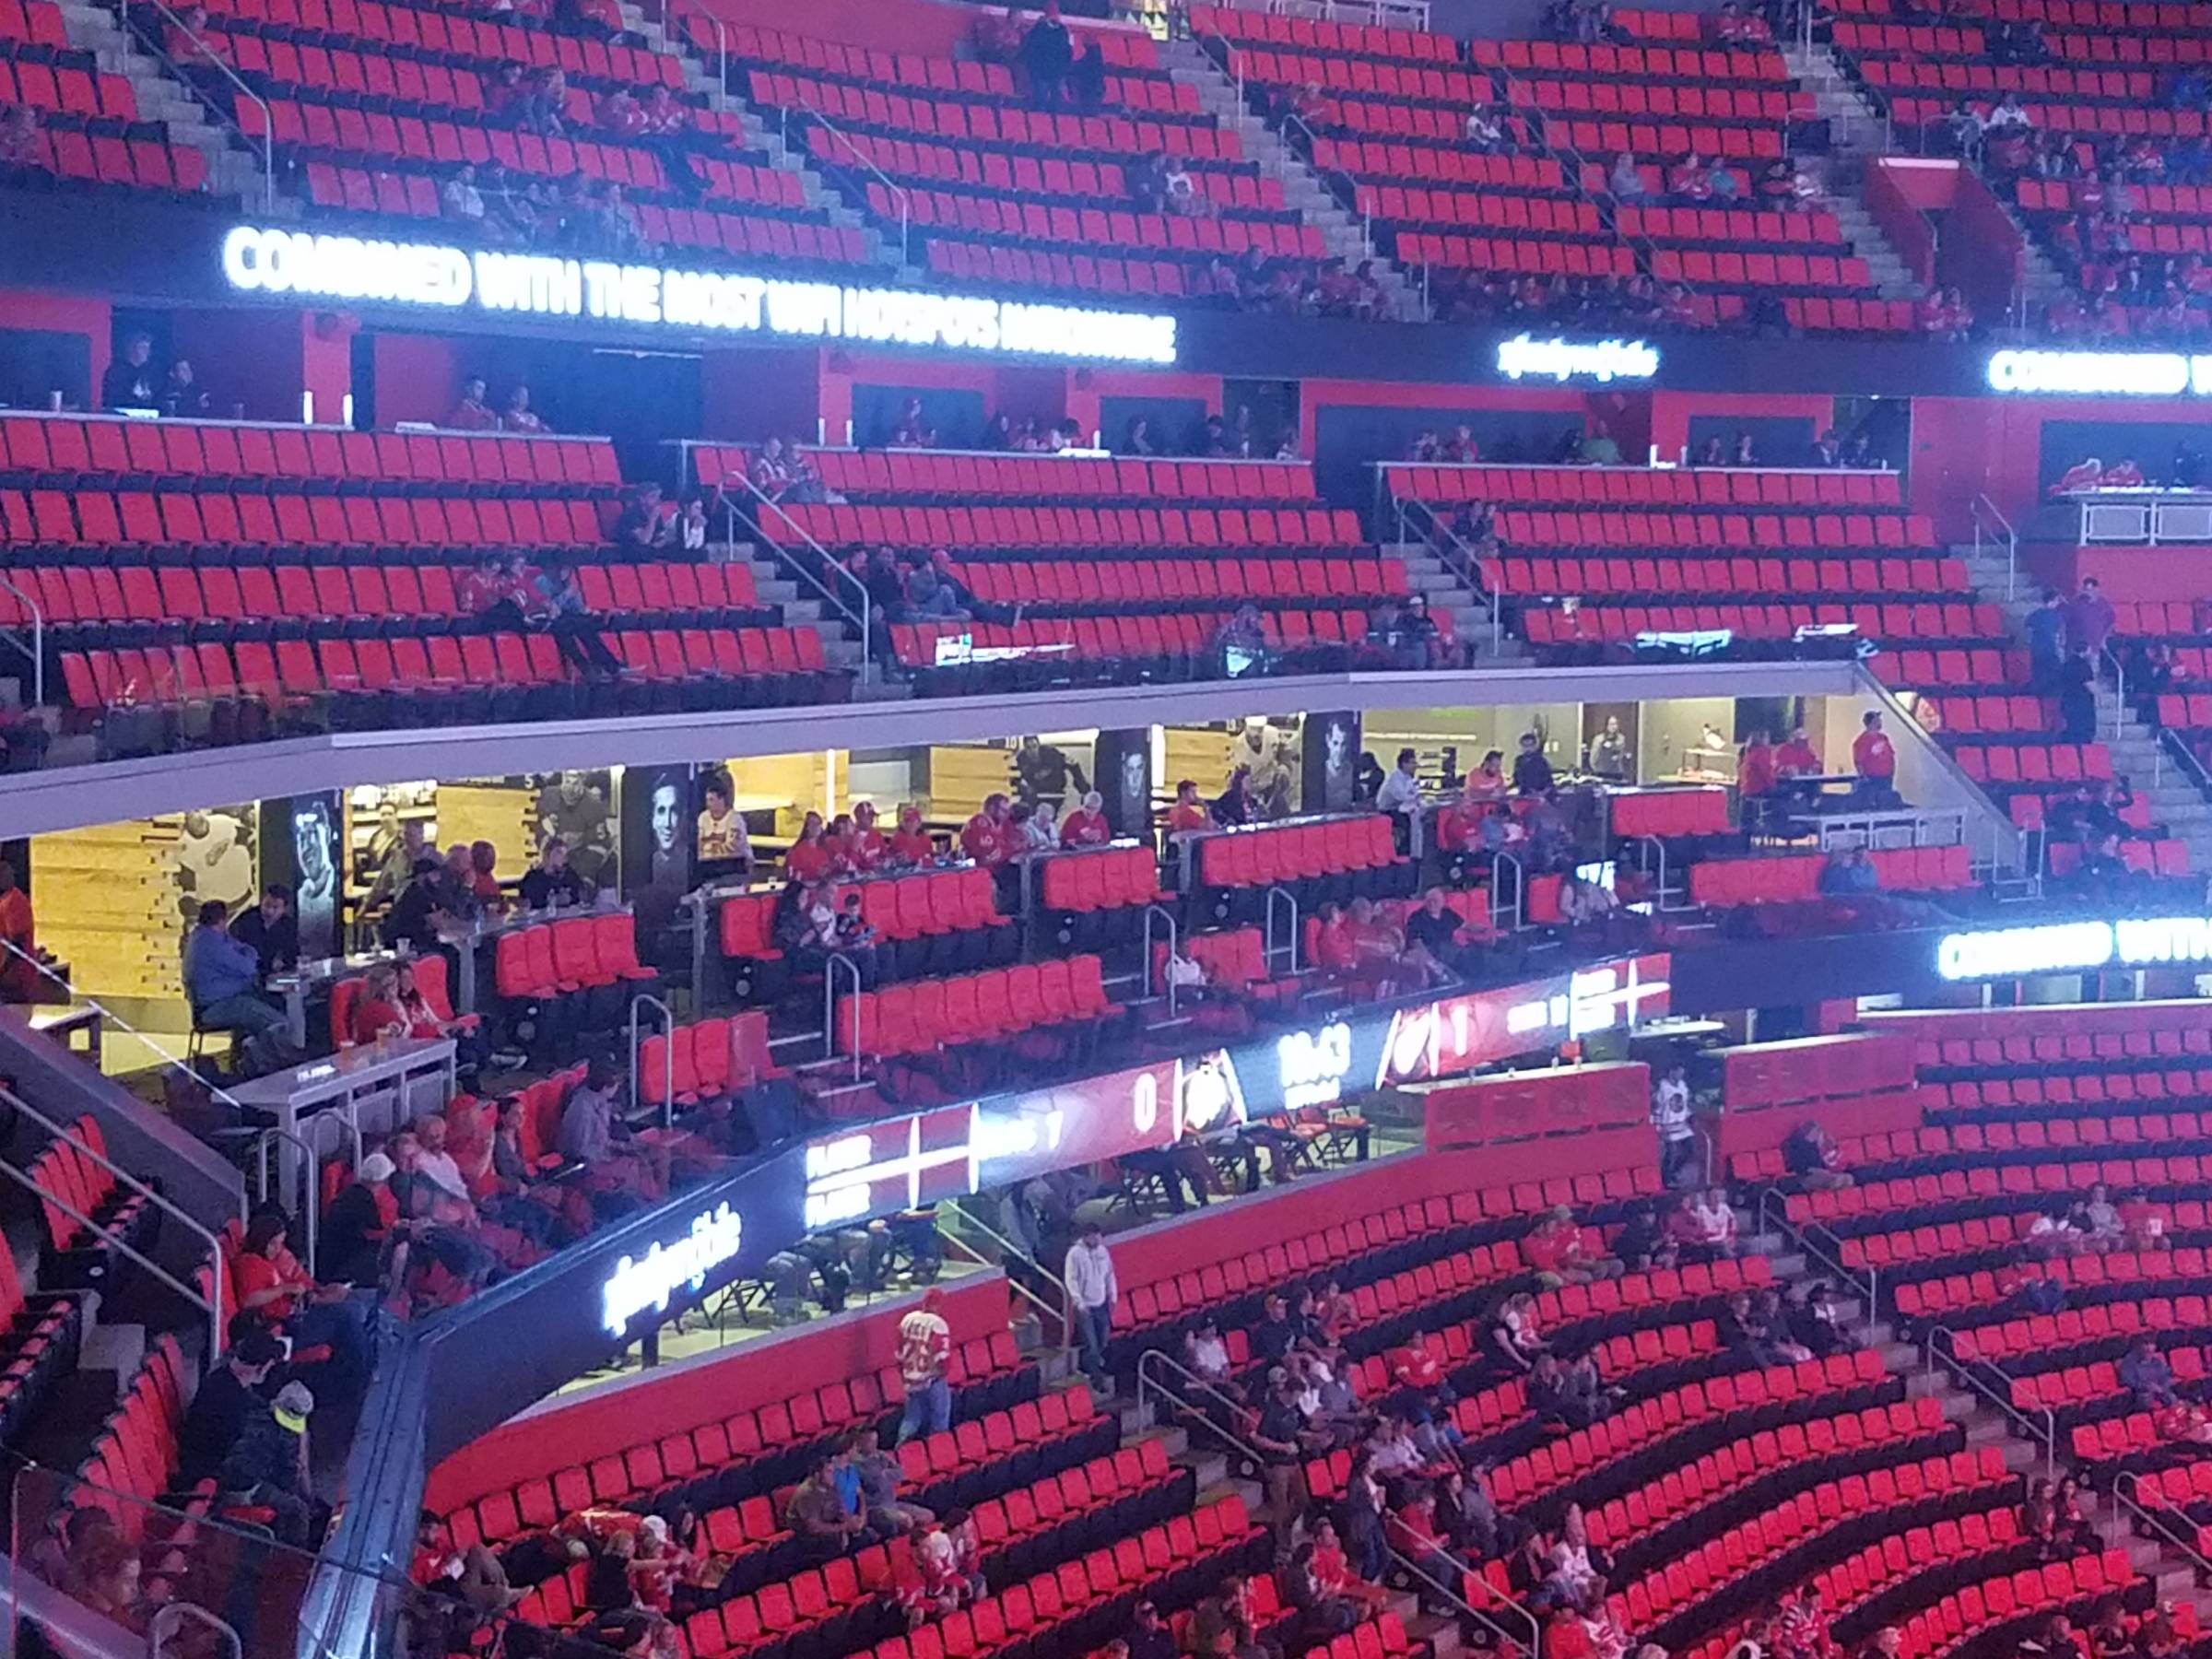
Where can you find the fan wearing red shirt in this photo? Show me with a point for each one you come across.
(1754, 768)
(984, 837)
(811, 856)
(1795, 758)
(865, 847)
(1874, 757)
(1086, 826)
(1188, 812)
(910, 842)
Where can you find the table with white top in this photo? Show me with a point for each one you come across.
(370, 1090)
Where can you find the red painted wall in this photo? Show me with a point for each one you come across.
(1968, 446)
(2124, 573)
(678, 1398)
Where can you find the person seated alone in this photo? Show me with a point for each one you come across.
(553, 880)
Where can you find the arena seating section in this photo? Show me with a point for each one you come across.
(1391, 125)
(282, 571)
(1116, 563)
(90, 131)
(1003, 195)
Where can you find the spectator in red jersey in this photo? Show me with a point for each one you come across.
(1944, 315)
(1755, 768)
(837, 841)
(1874, 759)
(2123, 474)
(472, 414)
(1689, 181)
(663, 116)
(2089, 616)
(769, 472)
(1556, 1253)
(1087, 825)
(1795, 758)
(865, 847)
(1461, 447)
(518, 416)
(620, 113)
(2083, 474)
(911, 844)
(984, 838)
(1188, 812)
(911, 431)
(505, 91)
(810, 857)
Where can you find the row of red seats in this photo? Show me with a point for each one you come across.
(2075, 1586)
(809, 1415)
(1222, 236)
(1988, 717)
(1030, 1611)
(2044, 1333)
(72, 1177)
(1881, 1568)
(1990, 1036)
(1811, 1516)
(1164, 581)
(1720, 225)
(705, 1060)
(998, 265)
(1763, 270)
(452, 32)
(1736, 143)
(1915, 667)
(1107, 878)
(95, 518)
(1078, 526)
(2122, 121)
(2098, 1385)
(1174, 131)
(1885, 578)
(584, 953)
(960, 476)
(1532, 174)
(1354, 39)
(1609, 623)
(295, 670)
(1701, 100)
(134, 1461)
(1632, 62)
(63, 87)
(1124, 50)
(2091, 1090)
(1108, 639)
(1703, 487)
(250, 594)
(1275, 852)
(2167, 858)
(1756, 532)
(1536, 214)
(1962, 1182)
(1956, 1293)
(1958, 79)
(1793, 879)
(2035, 765)
(899, 907)
(190, 449)
(928, 1015)
(1534, 258)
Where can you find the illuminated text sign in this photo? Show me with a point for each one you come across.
(1555, 360)
(261, 260)
(2119, 373)
(2065, 946)
(650, 1281)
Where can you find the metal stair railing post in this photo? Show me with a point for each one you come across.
(637, 1004)
(2046, 1432)
(311, 1182)
(1447, 543)
(1499, 863)
(1290, 898)
(1987, 516)
(906, 202)
(269, 123)
(1168, 916)
(2125, 1485)
(1064, 1314)
(210, 1305)
(862, 618)
(37, 650)
(1772, 1212)
(829, 967)
(1467, 1609)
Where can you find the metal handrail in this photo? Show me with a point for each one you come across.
(1499, 863)
(1268, 946)
(37, 650)
(2001, 532)
(830, 967)
(1772, 1210)
(1167, 915)
(268, 123)
(2124, 1484)
(217, 1090)
(1467, 567)
(667, 1055)
(863, 618)
(906, 202)
(1021, 1289)
(721, 39)
(1661, 892)
(212, 1306)
(2047, 1431)
(1232, 62)
(1467, 1610)
(312, 1206)
(1010, 1247)
(1065, 1312)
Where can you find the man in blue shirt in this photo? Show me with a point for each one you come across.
(222, 983)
